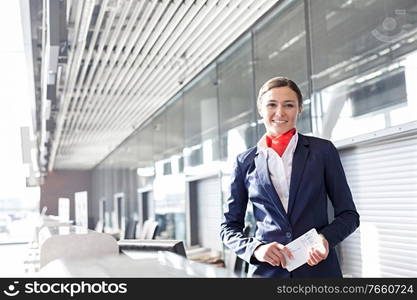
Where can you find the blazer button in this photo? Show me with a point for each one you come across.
(288, 235)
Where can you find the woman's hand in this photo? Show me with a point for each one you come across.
(273, 253)
(319, 253)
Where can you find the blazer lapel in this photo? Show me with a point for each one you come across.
(298, 162)
(265, 181)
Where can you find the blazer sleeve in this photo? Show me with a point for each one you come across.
(346, 218)
(234, 218)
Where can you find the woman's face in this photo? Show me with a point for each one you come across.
(279, 110)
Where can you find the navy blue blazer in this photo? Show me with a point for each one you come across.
(317, 174)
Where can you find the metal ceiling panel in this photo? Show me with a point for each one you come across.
(119, 52)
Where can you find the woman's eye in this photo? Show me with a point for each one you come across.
(271, 105)
(289, 105)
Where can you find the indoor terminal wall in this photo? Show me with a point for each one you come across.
(357, 78)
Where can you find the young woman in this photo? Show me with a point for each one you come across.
(288, 178)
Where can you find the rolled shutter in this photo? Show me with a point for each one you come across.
(383, 180)
(209, 213)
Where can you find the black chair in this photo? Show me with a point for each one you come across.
(130, 231)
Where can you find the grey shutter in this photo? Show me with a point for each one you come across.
(209, 213)
(383, 180)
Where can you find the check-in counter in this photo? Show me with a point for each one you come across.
(71, 242)
(72, 251)
(159, 264)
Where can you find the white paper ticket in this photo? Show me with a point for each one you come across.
(300, 248)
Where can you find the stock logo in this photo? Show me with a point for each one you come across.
(66, 288)
(11, 290)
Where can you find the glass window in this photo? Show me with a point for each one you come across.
(108, 189)
(144, 146)
(363, 64)
(280, 50)
(175, 127)
(236, 100)
(144, 152)
(171, 226)
(351, 37)
(169, 196)
(17, 217)
(159, 136)
(168, 183)
(382, 92)
(201, 120)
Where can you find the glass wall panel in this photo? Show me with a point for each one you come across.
(97, 189)
(364, 65)
(351, 37)
(236, 99)
(108, 174)
(280, 50)
(126, 159)
(144, 146)
(201, 120)
(169, 183)
(159, 136)
(175, 127)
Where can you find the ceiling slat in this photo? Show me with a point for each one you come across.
(135, 46)
(84, 13)
(82, 115)
(81, 102)
(156, 74)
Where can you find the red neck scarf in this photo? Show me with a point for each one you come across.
(280, 143)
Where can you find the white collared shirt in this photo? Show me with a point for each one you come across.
(280, 167)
